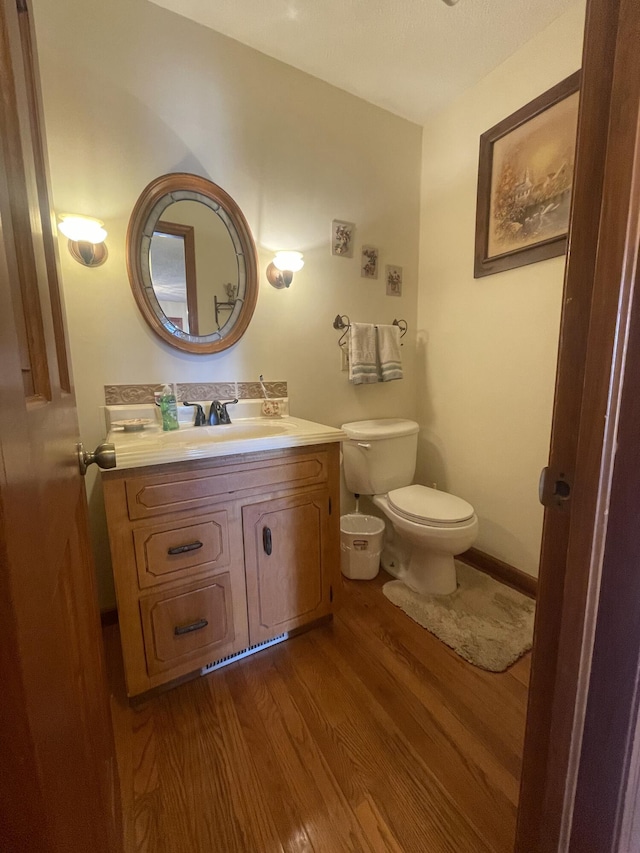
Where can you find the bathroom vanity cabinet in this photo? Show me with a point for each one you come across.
(213, 556)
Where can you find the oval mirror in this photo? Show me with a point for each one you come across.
(192, 263)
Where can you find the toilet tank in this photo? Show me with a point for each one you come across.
(379, 455)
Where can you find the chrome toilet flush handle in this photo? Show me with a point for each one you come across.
(364, 445)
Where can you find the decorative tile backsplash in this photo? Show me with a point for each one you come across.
(115, 395)
(118, 394)
(206, 391)
(253, 391)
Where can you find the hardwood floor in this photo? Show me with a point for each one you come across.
(367, 734)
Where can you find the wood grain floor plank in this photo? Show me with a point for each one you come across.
(329, 821)
(240, 793)
(143, 750)
(414, 803)
(521, 670)
(286, 810)
(122, 720)
(245, 785)
(367, 735)
(485, 697)
(474, 779)
(377, 830)
(184, 777)
(147, 836)
(417, 683)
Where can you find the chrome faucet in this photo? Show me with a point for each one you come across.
(218, 413)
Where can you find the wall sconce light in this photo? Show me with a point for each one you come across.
(86, 239)
(281, 269)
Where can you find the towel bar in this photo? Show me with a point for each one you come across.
(342, 321)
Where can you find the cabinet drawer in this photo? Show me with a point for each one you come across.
(181, 549)
(155, 494)
(192, 625)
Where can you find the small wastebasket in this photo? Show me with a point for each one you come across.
(360, 545)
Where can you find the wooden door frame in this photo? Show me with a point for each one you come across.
(581, 769)
(187, 232)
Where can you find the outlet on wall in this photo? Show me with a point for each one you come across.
(344, 359)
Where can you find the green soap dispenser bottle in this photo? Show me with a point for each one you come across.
(169, 409)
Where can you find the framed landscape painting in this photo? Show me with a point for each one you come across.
(525, 178)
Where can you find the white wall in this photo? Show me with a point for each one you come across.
(487, 347)
(132, 91)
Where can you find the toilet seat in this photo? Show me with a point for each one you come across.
(430, 507)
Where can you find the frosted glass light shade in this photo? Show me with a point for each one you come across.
(82, 229)
(292, 261)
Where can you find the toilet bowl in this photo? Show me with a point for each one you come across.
(426, 528)
(427, 565)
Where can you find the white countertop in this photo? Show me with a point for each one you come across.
(152, 446)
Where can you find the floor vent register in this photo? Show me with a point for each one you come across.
(250, 650)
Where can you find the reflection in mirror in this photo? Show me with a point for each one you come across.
(192, 263)
(172, 264)
(194, 268)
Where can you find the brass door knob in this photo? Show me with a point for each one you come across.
(104, 456)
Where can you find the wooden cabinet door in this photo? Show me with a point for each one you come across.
(286, 547)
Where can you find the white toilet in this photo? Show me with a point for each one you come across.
(429, 527)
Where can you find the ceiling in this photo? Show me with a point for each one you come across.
(407, 56)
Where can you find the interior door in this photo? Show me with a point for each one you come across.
(58, 781)
(587, 444)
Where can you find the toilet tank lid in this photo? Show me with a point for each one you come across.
(380, 428)
(422, 503)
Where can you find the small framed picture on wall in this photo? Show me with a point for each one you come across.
(369, 262)
(342, 238)
(393, 277)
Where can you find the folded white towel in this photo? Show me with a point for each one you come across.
(389, 358)
(363, 362)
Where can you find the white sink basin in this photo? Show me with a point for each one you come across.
(191, 437)
(152, 445)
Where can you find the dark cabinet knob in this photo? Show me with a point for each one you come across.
(267, 544)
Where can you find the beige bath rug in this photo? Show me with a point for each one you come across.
(485, 622)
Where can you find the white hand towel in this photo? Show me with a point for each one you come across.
(389, 357)
(363, 362)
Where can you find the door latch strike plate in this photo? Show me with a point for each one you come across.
(554, 488)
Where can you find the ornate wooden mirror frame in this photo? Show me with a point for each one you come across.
(146, 215)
